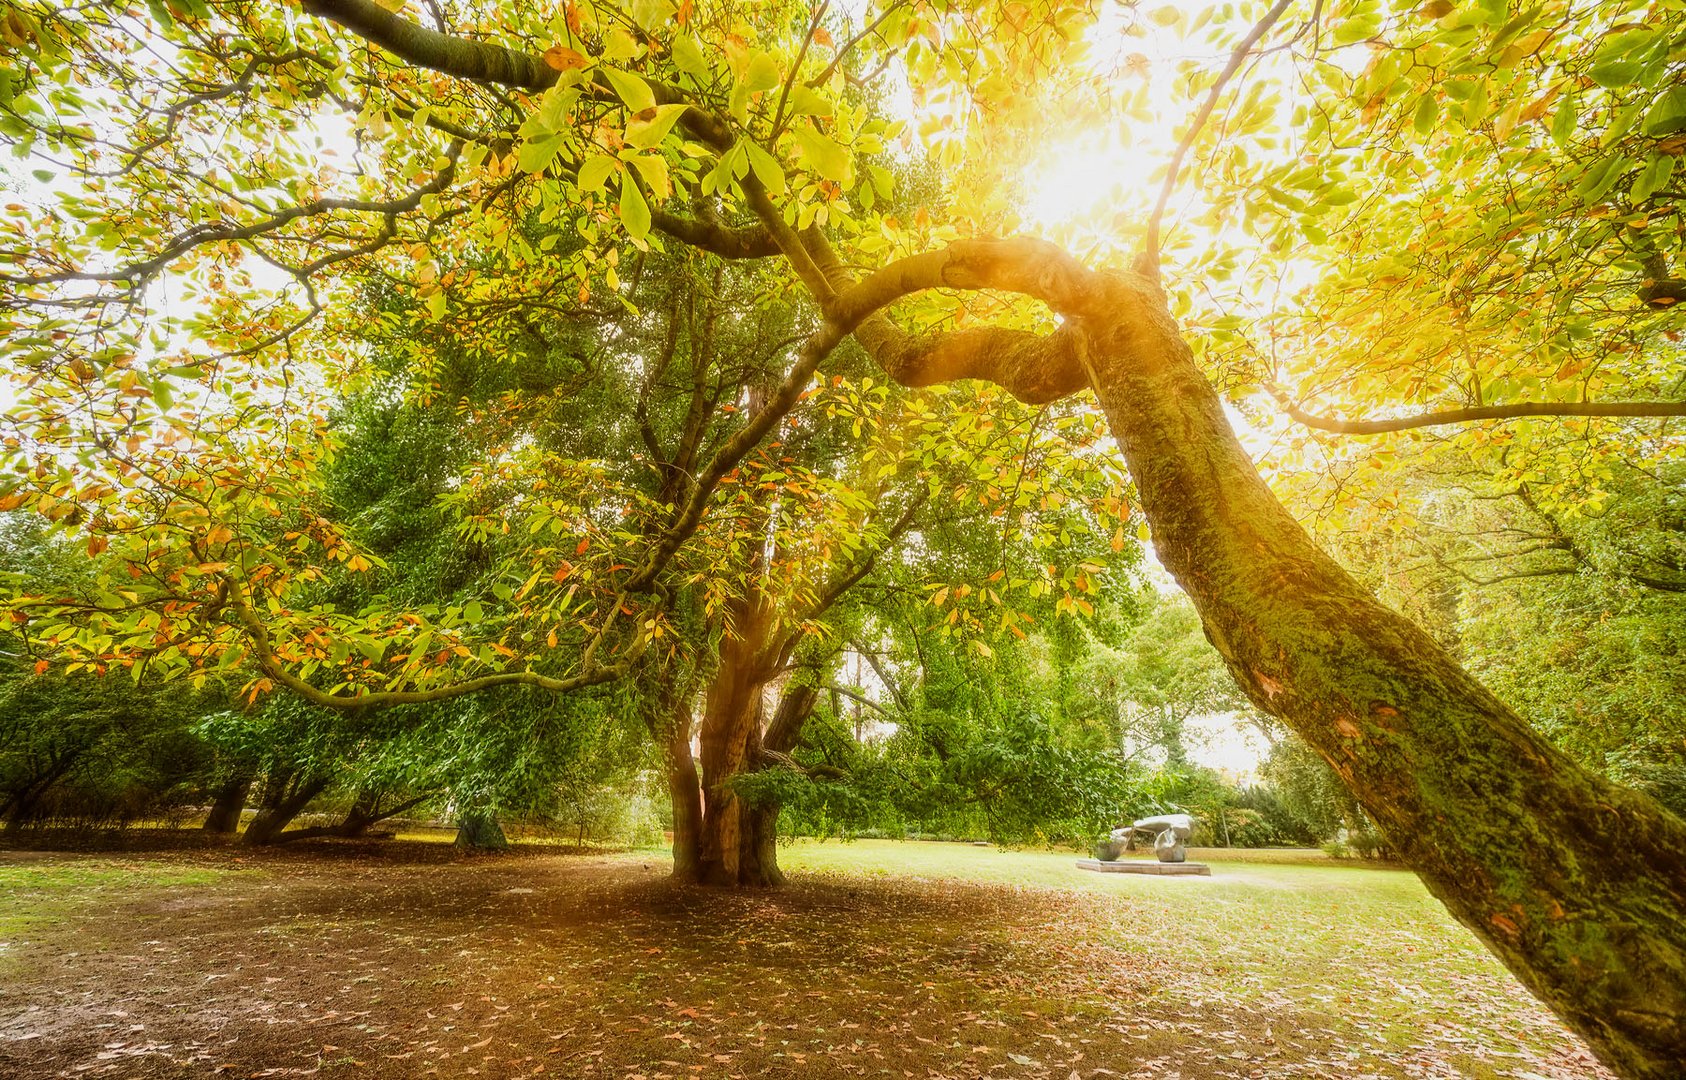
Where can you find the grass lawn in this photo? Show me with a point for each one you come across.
(37, 895)
(879, 959)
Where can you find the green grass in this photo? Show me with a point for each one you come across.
(1314, 934)
(36, 895)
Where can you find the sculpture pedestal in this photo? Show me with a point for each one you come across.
(1142, 866)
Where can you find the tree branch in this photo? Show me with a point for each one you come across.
(714, 238)
(1148, 263)
(1515, 411)
(270, 664)
(412, 42)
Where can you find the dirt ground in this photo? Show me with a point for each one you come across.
(403, 959)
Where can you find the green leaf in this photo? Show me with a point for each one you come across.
(763, 73)
(654, 171)
(1656, 174)
(688, 57)
(1668, 115)
(537, 154)
(645, 134)
(651, 14)
(1428, 111)
(635, 212)
(805, 102)
(1620, 124)
(594, 173)
(766, 168)
(1600, 179)
(1358, 28)
(619, 45)
(822, 155)
(633, 91)
(372, 648)
(1563, 123)
(1616, 74)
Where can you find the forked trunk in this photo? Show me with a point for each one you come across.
(1578, 885)
(731, 851)
(737, 845)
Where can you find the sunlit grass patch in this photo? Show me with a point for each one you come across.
(37, 894)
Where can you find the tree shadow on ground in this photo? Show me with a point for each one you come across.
(397, 963)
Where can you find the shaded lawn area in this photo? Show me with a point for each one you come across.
(403, 959)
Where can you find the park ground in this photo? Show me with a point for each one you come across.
(912, 960)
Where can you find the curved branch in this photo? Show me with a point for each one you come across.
(717, 239)
(1514, 411)
(480, 61)
(1149, 261)
(139, 273)
(461, 57)
(1035, 368)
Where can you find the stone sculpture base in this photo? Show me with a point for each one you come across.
(1142, 866)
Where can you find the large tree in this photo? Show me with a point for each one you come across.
(1517, 228)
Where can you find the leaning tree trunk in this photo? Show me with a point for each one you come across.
(480, 831)
(1578, 885)
(228, 805)
(279, 809)
(364, 814)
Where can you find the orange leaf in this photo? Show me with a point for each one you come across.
(563, 59)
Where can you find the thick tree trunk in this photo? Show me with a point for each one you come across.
(796, 704)
(229, 804)
(730, 850)
(734, 848)
(280, 808)
(684, 789)
(1577, 884)
(480, 831)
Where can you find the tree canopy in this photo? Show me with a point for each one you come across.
(1351, 220)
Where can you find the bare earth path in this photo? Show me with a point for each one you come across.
(401, 959)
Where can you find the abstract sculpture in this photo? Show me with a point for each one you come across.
(1171, 833)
